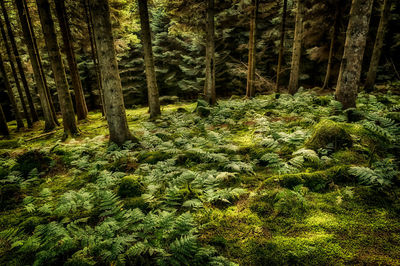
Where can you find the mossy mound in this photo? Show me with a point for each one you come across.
(9, 144)
(10, 195)
(153, 157)
(130, 186)
(164, 100)
(32, 160)
(329, 132)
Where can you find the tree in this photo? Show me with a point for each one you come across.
(281, 42)
(19, 64)
(30, 42)
(209, 86)
(15, 75)
(67, 109)
(3, 123)
(251, 73)
(152, 90)
(112, 88)
(81, 108)
(376, 54)
(350, 68)
(17, 114)
(296, 54)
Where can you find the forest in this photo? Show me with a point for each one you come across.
(188, 132)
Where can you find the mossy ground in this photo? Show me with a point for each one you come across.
(271, 202)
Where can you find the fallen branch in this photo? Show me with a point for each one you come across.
(42, 135)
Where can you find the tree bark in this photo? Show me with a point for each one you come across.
(67, 109)
(81, 108)
(3, 123)
(376, 54)
(331, 50)
(49, 118)
(350, 68)
(18, 117)
(19, 64)
(250, 88)
(282, 40)
(296, 54)
(209, 86)
(112, 88)
(152, 90)
(15, 75)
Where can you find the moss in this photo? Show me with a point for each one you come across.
(9, 144)
(329, 132)
(136, 202)
(349, 157)
(10, 195)
(32, 160)
(152, 157)
(130, 186)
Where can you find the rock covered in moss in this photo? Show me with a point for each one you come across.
(164, 100)
(30, 160)
(329, 132)
(130, 186)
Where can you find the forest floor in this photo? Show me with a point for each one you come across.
(268, 181)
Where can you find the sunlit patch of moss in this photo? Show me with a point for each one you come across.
(321, 219)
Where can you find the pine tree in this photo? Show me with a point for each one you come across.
(251, 74)
(209, 87)
(281, 42)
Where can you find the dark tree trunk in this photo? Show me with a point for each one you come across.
(19, 64)
(49, 117)
(13, 101)
(331, 50)
(112, 88)
(356, 38)
(296, 54)
(209, 86)
(376, 54)
(3, 123)
(67, 109)
(152, 90)
(15, 75)
(81, 108)
(251, 74)
(281, 43)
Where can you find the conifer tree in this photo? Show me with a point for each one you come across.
(251, 74)
(3, 123)
(281, 42)
(209, 87)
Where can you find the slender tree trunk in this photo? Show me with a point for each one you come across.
(81, 108)
(49, 118)
(18, 117)
(356, 38)
(376, 54)
(296, 54)
(281, 44)
(15, 75)
(95, 57)
(209, 86)
(112, 88)
(19, 64)
(3, 123)
(250, 89)
(331, 50)
(67, 109)
(152, 90)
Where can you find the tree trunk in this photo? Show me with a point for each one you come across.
(67, 109)
(19, 64)
(152, 90)
(282, 40)
(49, 118)
(209, 86)
(81, 108)
(296, 54)
(3, 123)
(112, 88)
(350, 68)
(331, 50)
(18, 117)
(95, 57)
(250, 89)
(15, 75)
(376, 54)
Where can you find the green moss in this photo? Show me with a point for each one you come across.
(136, 202)
(349, 157)
(152, 157)
(30, 160)
(130, 186)
(329, 132)
(10, 195)
(9, 144)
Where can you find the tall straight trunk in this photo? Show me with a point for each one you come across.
(17, 114)
(296, 54)
(19, 64)
(15, 75)
(209, 86)
(3, 123)
(376, 54)
(152, 90)
(49, 118)
(112, 88)
(95, 57)
(356, 38)
(67, 109)
(251, 73)
(282, 40)
(331, 49)
(81, 108)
